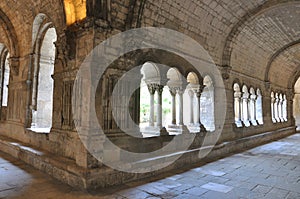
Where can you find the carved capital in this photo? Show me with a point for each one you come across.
(237, 94)
(151, 88)
(172, 91)
(253, 97)
(159, 88)
(199, 90)
(180, 91)
(14, 63)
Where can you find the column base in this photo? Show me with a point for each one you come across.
(247, 123)
(183, 129)
(254, 122)
(239, 124)
(200, 128)
(150, 131)
(163, 131)
(177, 129)
(278, 120)
(174, 129)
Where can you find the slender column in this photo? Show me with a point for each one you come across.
(159, 89)
(285, 108)
(180, 94)
(245, 102)
(253, 109)
(191, 94)
(273, 109)
(198, 95)
(198, 120)
(173, 94)
(276, 110)
(280, 110)
(237, 108)
(151, 89)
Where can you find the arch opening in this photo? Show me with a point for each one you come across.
(207, 111)
(4, 80)
(296, 104)
(44, 51)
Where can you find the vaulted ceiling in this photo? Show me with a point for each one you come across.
(257, 38)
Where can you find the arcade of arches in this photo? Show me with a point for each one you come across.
(255, 46)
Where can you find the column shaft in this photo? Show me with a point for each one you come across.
(173, 94)
(151, 89)
(159, 90)
(191, 94)
(180, 93)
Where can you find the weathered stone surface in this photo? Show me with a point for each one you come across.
(253, 43)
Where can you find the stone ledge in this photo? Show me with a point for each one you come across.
(67, 171)
(190, 158)
(61, 168)
(225, 148)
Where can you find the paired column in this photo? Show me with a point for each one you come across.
(237, 108)
(180, 94)
(280, 109)
(173, 95)
(252, 104)
(276, 105)
(245, 109)
(198, 95)
(273, 109)
(159, 89)
(191, 94)
(174, 91)
(198, 120)
(151, 89)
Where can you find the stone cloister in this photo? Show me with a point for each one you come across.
(244, 93)
(178, 86)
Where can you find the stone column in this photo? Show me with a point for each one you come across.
(180, 94)
(237, 109)
(285, 108)
(191, 94)
(273, 109)
(276, 106)
(159, 89)
(245, 103)
(253, 110)
(198, 95)
(151, 89)
(291, 108)
(173, 94)
(280, 110)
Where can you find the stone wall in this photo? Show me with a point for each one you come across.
(244, 38)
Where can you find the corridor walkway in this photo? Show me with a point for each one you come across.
(269, 171)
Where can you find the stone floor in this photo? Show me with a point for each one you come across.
(269, 171)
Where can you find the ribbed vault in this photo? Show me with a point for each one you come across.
(262, 48)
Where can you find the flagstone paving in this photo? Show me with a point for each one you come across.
(269, 171)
